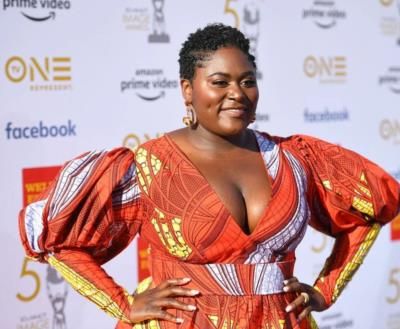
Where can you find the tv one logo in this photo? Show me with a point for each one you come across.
(390, 130)
(390, 21)
(45, 73)
(326, 69)
(132, 141)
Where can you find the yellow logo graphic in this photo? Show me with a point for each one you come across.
(326, 69)
(48, 73)
(390, 21)
(386, 2)
(132, 141)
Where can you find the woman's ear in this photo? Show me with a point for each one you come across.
(186, 89)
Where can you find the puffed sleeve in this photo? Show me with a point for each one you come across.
(88, 215)
(350, 199)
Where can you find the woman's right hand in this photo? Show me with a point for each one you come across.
(153, 303)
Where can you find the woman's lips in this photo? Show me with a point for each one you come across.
(235, 112)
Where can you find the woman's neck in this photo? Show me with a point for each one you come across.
(204, 140)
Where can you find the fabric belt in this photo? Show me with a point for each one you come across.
(226, 279)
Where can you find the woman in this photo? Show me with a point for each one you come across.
(222, 206)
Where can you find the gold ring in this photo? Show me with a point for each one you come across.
(306, 297)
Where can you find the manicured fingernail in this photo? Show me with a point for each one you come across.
(194, 292)
(192, 307)
(285, 288)
(179, 320)
(186, 279)
(288, 308)
(285, 281)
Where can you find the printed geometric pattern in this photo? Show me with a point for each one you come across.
(33, 226)
(88, 290)
(289, 236)
(170, 235)
(353, 265)
(103, 199)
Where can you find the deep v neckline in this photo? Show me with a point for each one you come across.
(232, 218)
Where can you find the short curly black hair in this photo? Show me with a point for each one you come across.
(201, 44)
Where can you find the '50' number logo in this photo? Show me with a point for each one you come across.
(395, 282)
(26, 273)
(229, 10)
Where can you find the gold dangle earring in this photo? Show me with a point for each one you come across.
(190, 120)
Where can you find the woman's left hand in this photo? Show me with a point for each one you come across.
(308, 299)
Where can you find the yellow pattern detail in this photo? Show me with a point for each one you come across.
(145, 177)
(144, 285)
(366, 191)
(281, 325)
(129, 297)
(327, 184)
(354, 264)
(363, 206)
(313, 324)
(363, 179)
(152, 324)
(87, 289)
(174, 243)
(215, 320)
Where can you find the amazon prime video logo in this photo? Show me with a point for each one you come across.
(37, 10)
(149, 84)
(391, 79)
(324, 14)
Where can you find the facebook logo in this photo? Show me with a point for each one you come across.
(40, 130)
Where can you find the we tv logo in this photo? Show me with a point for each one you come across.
(46, 73)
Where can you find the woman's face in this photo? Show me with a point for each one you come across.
(224, 92)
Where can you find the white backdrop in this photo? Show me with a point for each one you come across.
(82, 75)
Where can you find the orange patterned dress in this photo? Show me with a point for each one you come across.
(101, 200)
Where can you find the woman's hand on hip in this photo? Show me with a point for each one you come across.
(308, 298)
(153, 303)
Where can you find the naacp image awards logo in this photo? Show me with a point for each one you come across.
(159, 34)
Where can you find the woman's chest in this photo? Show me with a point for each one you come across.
(191, 218)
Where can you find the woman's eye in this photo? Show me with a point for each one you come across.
(219, 83)
(249, 83)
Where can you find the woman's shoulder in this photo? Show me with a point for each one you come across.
(150, 144)
(289, 141)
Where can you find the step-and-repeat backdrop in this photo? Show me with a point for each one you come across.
(83, 75)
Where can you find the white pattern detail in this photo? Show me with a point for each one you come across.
(291, 235)
(128, 189)
(268, 279)
(225, 275)
(270, 153)
(34, 224)
(70, 181)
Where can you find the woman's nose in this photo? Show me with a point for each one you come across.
(235, 92)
